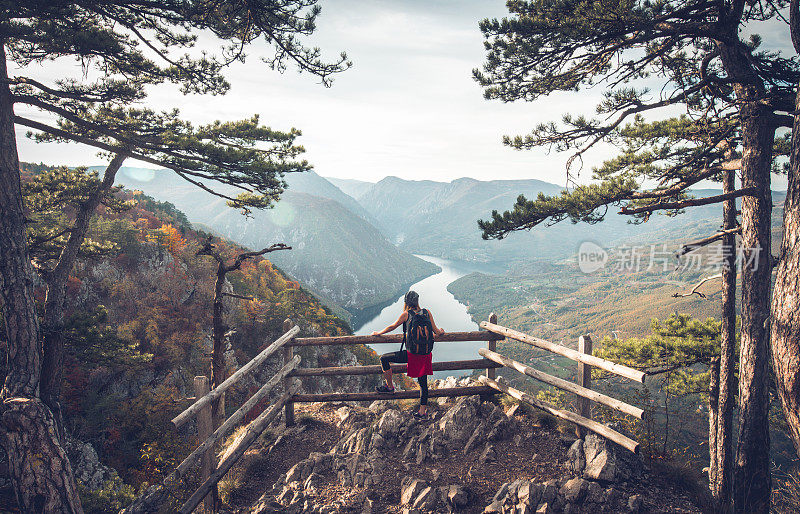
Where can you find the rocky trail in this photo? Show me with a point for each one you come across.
(466, 456)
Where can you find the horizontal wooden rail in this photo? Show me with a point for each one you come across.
(237, 449)
(587, 423)
(184, 416)
(612, 367)
(563, 384)
(187, 464)
(447, 337)
(396, 368)
(397, 395)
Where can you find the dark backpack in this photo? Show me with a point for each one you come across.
(418, 333)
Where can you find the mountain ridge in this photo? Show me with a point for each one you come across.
(337, 254)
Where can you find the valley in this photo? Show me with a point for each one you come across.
(359, 246)
(337, 253)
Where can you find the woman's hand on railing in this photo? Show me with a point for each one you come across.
(376, 333)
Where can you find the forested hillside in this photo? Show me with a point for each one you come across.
(557, 300)
(139, 328)
(337, 253)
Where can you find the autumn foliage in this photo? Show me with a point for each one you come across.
(138, 331)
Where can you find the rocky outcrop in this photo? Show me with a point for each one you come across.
(573, 496)
(597, 458)
(89, 471)
(357, 461)
(384, 459)
(599, 465)
(419, 496)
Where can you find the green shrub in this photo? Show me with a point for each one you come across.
(112, 497)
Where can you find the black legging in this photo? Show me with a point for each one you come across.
(402, 357)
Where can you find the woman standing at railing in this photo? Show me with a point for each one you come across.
(418, 331)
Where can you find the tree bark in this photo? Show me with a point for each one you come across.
(713, 421)
(55, 297)
(786, 297)
(218, 364)
(752, 471)
(721, 480)
(218, 352)
(40, 471)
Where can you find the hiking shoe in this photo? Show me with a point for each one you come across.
(383, 389)
(420, 415)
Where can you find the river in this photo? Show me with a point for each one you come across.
(448, 313)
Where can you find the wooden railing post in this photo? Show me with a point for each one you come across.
(490, 372)
(204, 430)
(288, 355)
(584, 379)
(492, 345)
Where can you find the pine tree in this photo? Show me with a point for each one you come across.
(735, 95)
(129, 46)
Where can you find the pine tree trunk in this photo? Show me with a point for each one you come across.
(218, 361)
(721, 481)
(218, 352)
(39, 468)
(786, 297)
(752, 472)
(55, 297)
(752, 469)
(713, 421)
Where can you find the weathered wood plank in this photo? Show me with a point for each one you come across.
(585, 380)
(612, 367)
(447, 337)
(184, 416)
(592, 425)
(396, 368)
(288, 353)
(205, 427)
(566, 385)
(237, 449)
(397, 395)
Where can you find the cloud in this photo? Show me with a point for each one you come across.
(408, 107)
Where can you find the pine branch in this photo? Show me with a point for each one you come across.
(691, 202)
(687, 182)
(687, 248)
(696, 287)
(131, 153)
(248, 255)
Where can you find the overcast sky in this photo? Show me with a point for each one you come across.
(408, 107)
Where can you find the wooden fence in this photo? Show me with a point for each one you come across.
(209, 436)
(290, 374)
(583, 391)
(447, 338)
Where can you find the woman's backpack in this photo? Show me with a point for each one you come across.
(418, 333)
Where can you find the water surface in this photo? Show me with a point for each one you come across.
(448, 313)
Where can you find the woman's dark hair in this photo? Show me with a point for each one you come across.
(412, 300)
